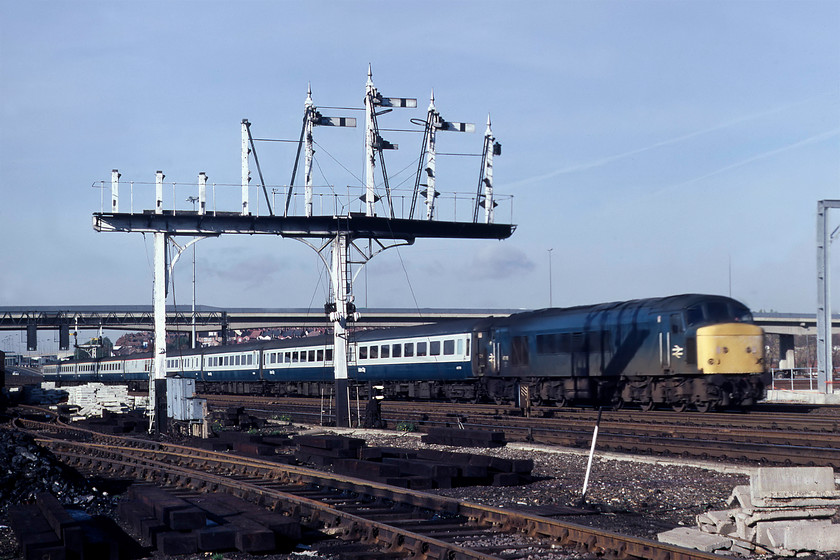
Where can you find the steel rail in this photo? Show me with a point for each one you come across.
(352, 526)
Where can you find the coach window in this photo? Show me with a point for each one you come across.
(449, 347)
(329, 354)
(374, 352)
(311, 357)
(421, 348)
(288, 357)
(274, 357)
(409, 349)
(434, 348)
(385, 351)
(396, 351)
(320, 356)
(238, 359)
(294, 356)
(363, 352)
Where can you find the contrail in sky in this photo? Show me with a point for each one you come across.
(668, 142)
(811, 140)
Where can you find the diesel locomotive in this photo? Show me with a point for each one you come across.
(692, 350)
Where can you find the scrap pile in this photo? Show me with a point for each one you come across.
(784, 511)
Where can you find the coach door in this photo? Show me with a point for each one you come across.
(485, 353)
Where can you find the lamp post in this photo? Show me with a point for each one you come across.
(193, 199)
(550, 294)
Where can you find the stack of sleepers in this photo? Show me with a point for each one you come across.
(207, 523)
(422, 469)
(47, 531)
(464, 438)
(325, 450)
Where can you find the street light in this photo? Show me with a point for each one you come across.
(193, 199)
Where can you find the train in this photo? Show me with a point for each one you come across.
(696, 351)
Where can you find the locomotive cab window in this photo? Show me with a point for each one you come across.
(677, 323)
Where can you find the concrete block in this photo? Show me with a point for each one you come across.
(792, 482)
(722, 521)
(772, 533)
(763, 515)
(693, 538)
(812, 537)
(743, 530)
(740, 498)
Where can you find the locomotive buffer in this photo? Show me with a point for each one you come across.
(337, 234)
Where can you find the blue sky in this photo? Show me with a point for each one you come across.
(656, 147)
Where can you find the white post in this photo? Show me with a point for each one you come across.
(310, 152)
(430, 159)
(115, 191)
(159, 192)
(246, 172)
(339, 318)
(158, 378)
(202, 193)
(370, 157)
(488, 174)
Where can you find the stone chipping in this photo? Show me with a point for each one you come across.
(641, 497)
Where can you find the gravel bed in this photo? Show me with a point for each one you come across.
(636, 497)
(639, 498)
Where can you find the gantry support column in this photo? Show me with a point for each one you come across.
(825, 367)
(157, 381)
(341, 293)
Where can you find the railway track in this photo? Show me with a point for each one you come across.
(776, 438)
(391, 519)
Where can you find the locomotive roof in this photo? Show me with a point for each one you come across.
(653, 305)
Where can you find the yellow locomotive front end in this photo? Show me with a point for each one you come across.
(730, 348)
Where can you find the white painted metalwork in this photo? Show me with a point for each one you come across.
(489, 147)
(246, 172)
(432, 122)
(309, 122)
(159, 192)
(370, 156)
(115, 191)
(202, 193)
(161, 280)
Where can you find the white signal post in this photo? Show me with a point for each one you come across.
(489, 147)
(370, 156)
(115, 191)
(246, 171)
(157, 381)
(309, 111)
(432, 122)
